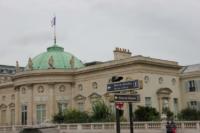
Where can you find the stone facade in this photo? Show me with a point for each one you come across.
(34, 96)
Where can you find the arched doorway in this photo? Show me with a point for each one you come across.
(164, 98)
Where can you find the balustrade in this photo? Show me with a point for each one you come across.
(190, 125)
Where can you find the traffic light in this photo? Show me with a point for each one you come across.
(116, 78)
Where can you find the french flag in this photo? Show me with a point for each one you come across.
(53, 21)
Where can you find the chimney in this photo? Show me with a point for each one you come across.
(121, 53)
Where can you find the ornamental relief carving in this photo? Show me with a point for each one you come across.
(128, 78)
(40, 89)
(79, 97)
(23, 90)
(94, 85)
(62, 88)
(3, 106)
(94, 96)
(80, 87)
(173, 81)
(146, 79)
(11, 105)
(160, 80)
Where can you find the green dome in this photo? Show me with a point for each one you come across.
(61, 59)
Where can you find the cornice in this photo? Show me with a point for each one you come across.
(195, 74)
(7, 84)
(129, 61)
(137, 60)
(50, 72)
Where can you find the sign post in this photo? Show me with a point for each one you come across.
(128, 98)
(117, 121)
(131, 117)
(116, 86)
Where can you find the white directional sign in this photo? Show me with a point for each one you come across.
(127, 98)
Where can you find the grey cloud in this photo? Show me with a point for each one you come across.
(91, 29)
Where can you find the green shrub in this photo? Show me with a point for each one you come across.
(71, 116)
(58, 118)
(101, 112)
(169, 114)
(189, 114)
(146, 114)
(75, 116)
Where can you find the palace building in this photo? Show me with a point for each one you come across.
(56, 80)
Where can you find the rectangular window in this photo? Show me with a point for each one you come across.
(192, 87)
(3, 116)
(41, 113)
(193, 104)
(24, 115)
(81, 107)
(62, 107)
(12, 113)
(175, 106)
(148, 101)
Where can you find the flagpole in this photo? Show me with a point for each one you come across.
(53, 24)
(55, 34)
(54, 29)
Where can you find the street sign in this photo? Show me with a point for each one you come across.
(126, 98)
(119, 105)
(121, 86)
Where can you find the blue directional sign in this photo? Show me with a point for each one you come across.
(120, 86)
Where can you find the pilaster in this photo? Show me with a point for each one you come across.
(17, 106)
(51, 102)
(30, 105)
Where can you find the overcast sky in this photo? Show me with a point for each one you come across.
(91, 29)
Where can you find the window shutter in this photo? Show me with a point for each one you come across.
(187, 86)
